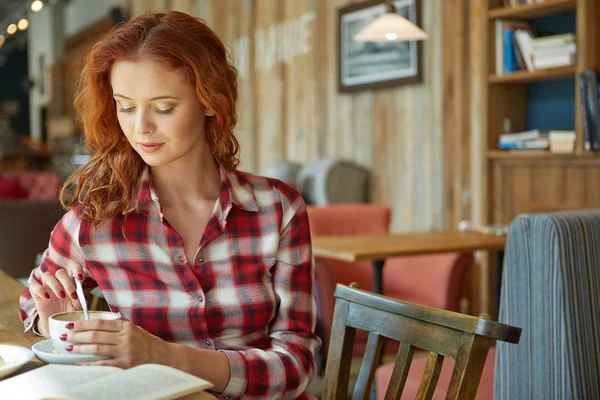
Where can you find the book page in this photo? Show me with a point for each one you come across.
(50, 380)
(145, 382)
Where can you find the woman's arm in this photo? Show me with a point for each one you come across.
(286, 367)
(207, 364)
(51, 287)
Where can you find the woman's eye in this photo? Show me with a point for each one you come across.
(127, 110)
(159, 111)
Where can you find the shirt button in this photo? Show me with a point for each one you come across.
(207, 342)
(200, 259)
(200, 299)
(181, 259)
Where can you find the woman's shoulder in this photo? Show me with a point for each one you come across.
(71, 220)
(267, 189)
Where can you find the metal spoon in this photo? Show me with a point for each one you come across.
(81, 298)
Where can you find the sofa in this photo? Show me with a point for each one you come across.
(551, 288)
(27, 218)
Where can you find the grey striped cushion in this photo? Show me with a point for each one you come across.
(551, 289)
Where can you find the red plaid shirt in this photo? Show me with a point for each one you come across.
(248, 294)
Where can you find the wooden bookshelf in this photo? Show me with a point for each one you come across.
(535, 76)
(530, 11)
(539, 154)
(513, 182)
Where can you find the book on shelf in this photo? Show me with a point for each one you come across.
(533, 144)
(588, 85)
(519, 47)
(148, 381)
(524, 135)
(534, 139)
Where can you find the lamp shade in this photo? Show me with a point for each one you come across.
(390, 27)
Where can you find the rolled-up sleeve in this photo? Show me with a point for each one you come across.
(286, 367)
(63, 246)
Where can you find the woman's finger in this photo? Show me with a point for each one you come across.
(38, 291)
(95, 349)
(50, 282)
(98, 325)
(76, 270)
(91, 337)
(67, 282)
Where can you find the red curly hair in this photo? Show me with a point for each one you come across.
(105, 185)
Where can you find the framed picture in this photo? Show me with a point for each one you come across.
(374, 65)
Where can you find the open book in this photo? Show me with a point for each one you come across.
(149, 381)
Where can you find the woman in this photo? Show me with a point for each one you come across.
(211, 267)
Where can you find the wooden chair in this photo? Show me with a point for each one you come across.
(464, 338)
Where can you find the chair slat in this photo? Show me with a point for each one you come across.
(367, 368)
(468, 368)
(430, 376)
(339, 357)
(400, 371)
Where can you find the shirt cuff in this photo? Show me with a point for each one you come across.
(31, 323)
(237, 377)
(34, 326)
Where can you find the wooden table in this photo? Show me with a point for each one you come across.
(377, 248)
(11, 327)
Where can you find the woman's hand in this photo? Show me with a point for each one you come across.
(127, 343)
(55, 293)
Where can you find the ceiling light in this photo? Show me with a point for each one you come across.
(390, 26)
(36, 6)
(12, 28)
(23, 24)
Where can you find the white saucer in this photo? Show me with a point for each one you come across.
(44, 350)
(15, 357)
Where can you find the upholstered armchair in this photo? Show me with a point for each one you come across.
(332, 180)
(26, 222)
(551, 288)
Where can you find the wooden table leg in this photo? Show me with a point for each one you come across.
(378, 276)
(499, 256)
(378, 288)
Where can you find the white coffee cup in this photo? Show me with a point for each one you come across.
(57, 323)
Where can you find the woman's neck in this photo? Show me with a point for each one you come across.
(201, 180)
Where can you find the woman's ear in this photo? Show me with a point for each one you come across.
(209, 112)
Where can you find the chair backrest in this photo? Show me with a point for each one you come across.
(464, 338)
(40, 185)
(349, 219)
(283, 170)
(430, 279)
(333, 180)
(551, 288)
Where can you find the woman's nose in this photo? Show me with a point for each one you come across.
(143, 125)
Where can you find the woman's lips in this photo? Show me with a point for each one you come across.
(150, 147)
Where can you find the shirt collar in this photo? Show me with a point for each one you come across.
(235, 189)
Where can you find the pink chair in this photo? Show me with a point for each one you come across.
(433, 279)
(343, 219)
(40, 185)
(484, 392)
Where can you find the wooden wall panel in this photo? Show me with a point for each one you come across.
(291, 108)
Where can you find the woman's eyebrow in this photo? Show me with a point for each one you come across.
(154, 98)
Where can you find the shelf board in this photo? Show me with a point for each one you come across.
(539, 154)
(536, 76)
(536, 10)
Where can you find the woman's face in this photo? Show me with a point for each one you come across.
(159, 112)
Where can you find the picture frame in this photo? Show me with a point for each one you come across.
(368, 65)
